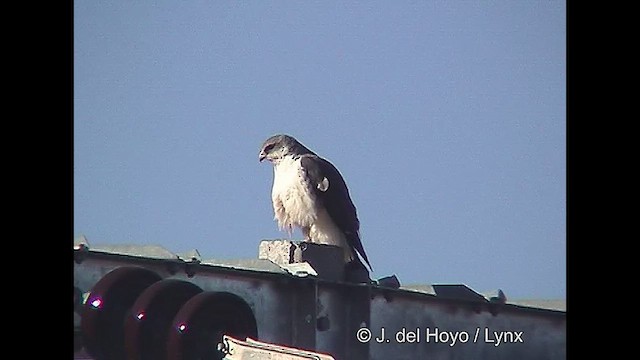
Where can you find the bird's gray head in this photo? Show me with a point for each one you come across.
(278, 146)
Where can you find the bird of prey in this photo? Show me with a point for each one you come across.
(309, 193)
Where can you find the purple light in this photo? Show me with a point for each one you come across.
(140, 316)
(182, 327)
(97, 303)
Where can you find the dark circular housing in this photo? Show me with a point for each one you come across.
(107, 305)
(148, 322)
(198, 327)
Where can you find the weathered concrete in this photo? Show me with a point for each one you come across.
(326, 260)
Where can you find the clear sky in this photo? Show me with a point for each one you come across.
(446, 118)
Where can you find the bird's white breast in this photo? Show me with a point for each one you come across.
(293, 202)
(294, 205)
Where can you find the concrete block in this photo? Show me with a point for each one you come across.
(326, 260)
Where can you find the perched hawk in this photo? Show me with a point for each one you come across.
(309, 193)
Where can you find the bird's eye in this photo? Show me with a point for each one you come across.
(269, 147)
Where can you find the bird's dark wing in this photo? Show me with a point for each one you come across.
(331, 189)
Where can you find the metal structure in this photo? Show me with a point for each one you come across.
(144, 302)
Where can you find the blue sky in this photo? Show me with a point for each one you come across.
(446, 118)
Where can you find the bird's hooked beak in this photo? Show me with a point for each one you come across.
(262, 155)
